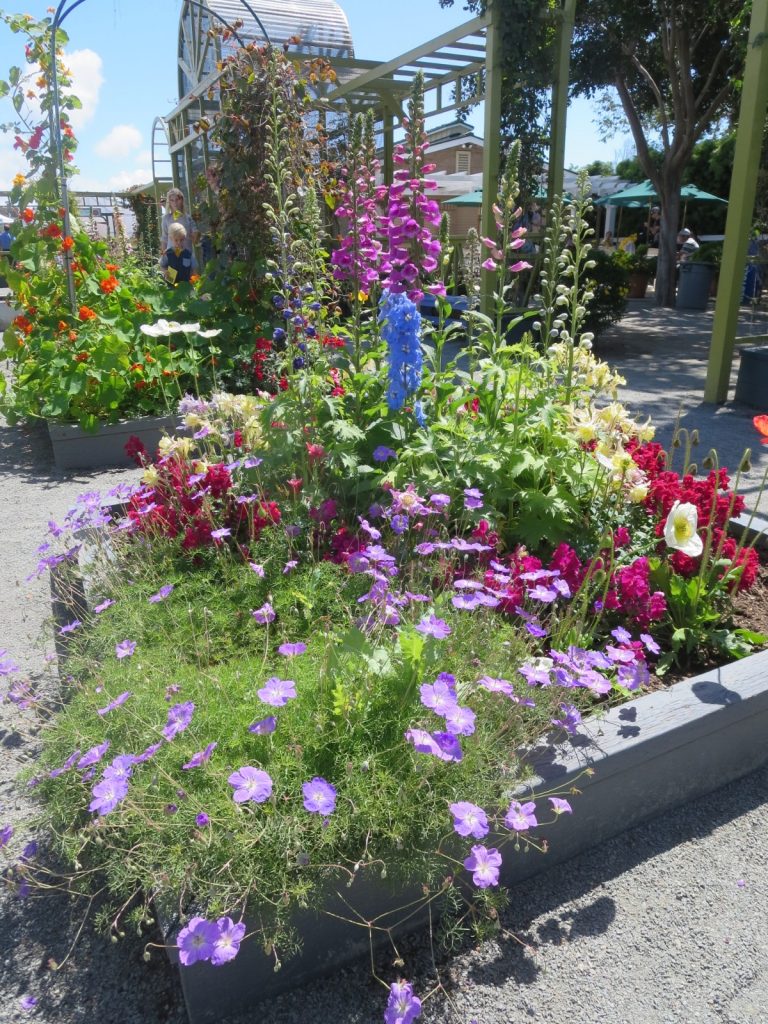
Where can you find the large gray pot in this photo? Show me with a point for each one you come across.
(694, 284)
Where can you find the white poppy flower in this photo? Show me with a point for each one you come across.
(159, 330)
(680, 529)
(174, 327)
(212, 333)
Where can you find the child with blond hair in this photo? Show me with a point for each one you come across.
(177, 261)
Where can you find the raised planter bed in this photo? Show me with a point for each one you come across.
(74, 448)
(646, 757)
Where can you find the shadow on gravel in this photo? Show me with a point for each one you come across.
(100, 981)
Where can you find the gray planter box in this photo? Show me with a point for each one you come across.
(752, 382)
(73, 448)
(648, 756)
(694, 284)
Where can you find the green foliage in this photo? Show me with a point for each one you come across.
(610, 277)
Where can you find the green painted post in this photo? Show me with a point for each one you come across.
(491, 143)
(389, 140)
(560, 99)
(746, 159)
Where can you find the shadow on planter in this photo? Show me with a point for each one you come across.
(74, 448)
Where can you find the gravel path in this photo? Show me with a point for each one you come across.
(664, 925)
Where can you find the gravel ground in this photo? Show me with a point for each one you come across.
(663, 925)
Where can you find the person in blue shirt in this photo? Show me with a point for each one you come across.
(177, 261)
(6, 239)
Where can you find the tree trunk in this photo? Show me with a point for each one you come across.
(666, 269)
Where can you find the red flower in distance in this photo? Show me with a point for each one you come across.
(109, 284)
(86, 313)
(28, 215)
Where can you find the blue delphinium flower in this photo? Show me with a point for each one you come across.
(401, 329)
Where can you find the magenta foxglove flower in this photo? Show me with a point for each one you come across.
(197, 941)
(319, 796)
(179, 717)
(250, 784)
(521, 817)
(200, 758)
(277, 692)
(227, 945)
(125, 649)
(484, 865)
(469, 819)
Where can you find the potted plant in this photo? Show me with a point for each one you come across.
(640, 267)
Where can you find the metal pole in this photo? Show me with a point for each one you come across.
(746, 160)
(492, 144)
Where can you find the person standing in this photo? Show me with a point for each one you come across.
(177, 261)
(686, 245)
(6, 240)
(175, 214)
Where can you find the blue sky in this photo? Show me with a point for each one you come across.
(123, 56)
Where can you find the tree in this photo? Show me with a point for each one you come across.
(630, 169)
(674, 65)
(599, 167)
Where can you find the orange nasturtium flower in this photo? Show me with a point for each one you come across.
(72, 335)
(23, 324)
(28, 215)
(67, 243)
(81, 357)
(85, 313)
(62, 326)
(109, 284)
(111, 267)
(142, 307)
(194, 278)
(52, 231)
(761, 425)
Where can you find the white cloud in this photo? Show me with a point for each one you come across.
(120, 142)
(87, 80)
(144, 157)
(123, 180)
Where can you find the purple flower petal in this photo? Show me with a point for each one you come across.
(292, 650)
(264, 727)
(161, 595)
(125, 649)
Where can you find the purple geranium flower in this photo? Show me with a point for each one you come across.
(103, 606)
(179, 717)
(115, 703)
(571, 719)
(319, 796)
(149, 752)
(202, 820)
(469, 819)
(221, 533)
(197, 941)
(200, 758)
(250, 784)
(290, 566)
(465, 602)
(227, 945)
(277, 692)
(650, 643)
(439, 501)
(6, 833)
(484, 865)
(443, 745)
(403, 1006)
(125, 648)
(120, 769)
(264, 614)
(258, 569)
(94, 755)
(439, 696)
(430, 625)
(70, 627)
(425, 548)
(460, 721)
(107, 795)
(28, 1003)
(560, 806)
(382, 453)
(473, 498)
(161, 595)
(521, 817)
(291, 650)
(263, 727)
(494, 685)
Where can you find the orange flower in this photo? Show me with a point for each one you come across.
(23, 324)
(137, 366)
(81, 357)
(52, 231)
(76, 266)
(19, 180)
(112, 267)
(41, 82)
(67, 243)
(27, 215)
(148, 358)
(194, 278)
(62, 326)
(109, 284)
(85, 313)
(142, 308)
(73, 335)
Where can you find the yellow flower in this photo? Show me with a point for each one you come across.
(638, 493)
(19, 180)
(150, 476)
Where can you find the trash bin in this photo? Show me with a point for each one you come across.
(693, 286)
(752, 382)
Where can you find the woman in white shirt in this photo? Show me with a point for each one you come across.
(174, 214)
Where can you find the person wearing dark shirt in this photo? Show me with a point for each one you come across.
(177, 261)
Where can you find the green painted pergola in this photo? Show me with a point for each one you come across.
(461, 67)
(749, 138)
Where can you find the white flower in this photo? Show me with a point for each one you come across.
(175, 328)
(159, 330)
(212, 333)
(680, 529)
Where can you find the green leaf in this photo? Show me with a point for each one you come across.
(412, 646)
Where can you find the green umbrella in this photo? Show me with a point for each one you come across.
(468, 199)
(645, 193)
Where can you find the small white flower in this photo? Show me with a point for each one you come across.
(680, 529)
(212, 333)
(159, 330)
(175, 328)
